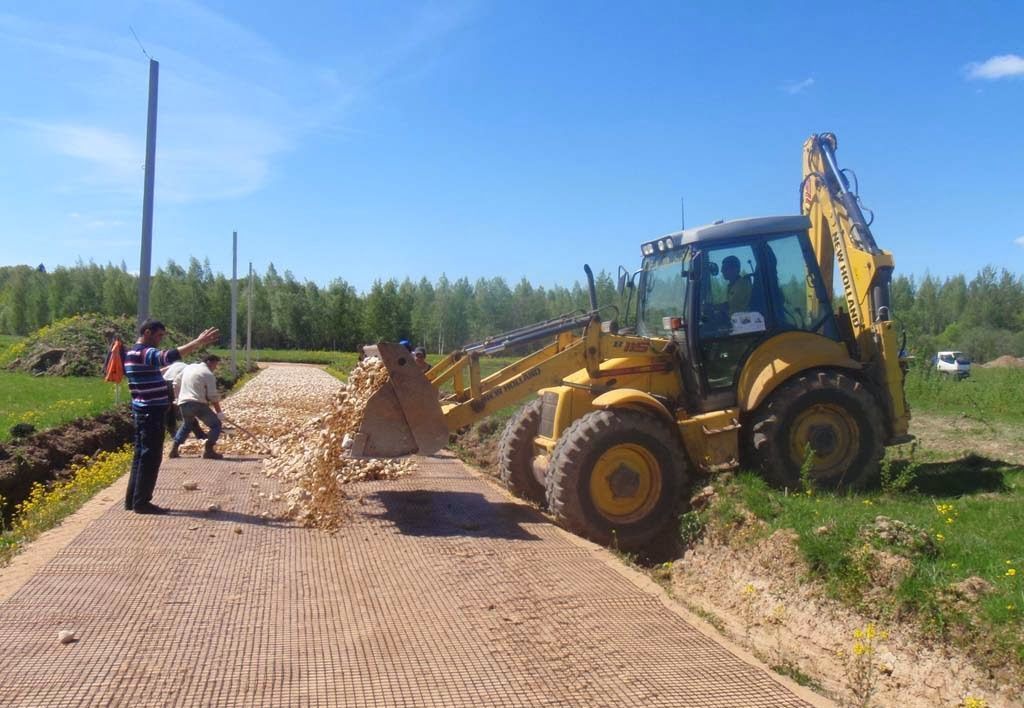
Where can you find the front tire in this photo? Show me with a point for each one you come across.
(616, 477)
(515, 453)
(834, 415)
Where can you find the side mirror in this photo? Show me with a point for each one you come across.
(624, 281)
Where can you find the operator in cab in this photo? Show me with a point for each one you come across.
(738, 289)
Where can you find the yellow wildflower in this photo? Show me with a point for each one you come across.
(1010, 572)
(939, 537)
(859, 649)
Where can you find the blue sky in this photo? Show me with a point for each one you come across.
(391, 139)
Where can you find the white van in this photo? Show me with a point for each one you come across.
(953, 363)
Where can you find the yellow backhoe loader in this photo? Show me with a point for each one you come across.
(736, 357)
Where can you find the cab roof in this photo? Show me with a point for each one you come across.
(720, 230)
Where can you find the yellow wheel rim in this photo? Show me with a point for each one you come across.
(832, 435)
(626, 483)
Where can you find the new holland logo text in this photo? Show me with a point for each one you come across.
(517, 381)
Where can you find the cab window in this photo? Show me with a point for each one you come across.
(663, 285)
(731, 303)
(798, 294)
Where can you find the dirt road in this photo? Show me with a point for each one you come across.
(958, 436)
(440, 590)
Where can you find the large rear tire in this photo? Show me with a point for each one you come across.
(616, 476)
(515, 453)
(834, 415)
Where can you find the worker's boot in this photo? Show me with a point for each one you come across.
(210, 454)
(174, 451)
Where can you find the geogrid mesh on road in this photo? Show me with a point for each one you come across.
(438, 592)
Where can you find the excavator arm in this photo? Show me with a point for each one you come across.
(841, 238)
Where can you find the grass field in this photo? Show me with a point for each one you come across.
(988, 393)
(46, 401)
(293, 356)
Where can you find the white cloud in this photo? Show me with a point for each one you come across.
(115, 159)
(998, 67)
(795, 87)
(1019, 241)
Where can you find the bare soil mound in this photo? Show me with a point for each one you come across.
(1005, 362)
(760, 593)
(45, 456)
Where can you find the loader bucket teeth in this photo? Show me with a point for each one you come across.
(404, 416)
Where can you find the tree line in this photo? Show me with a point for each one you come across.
(287, 313)
(983, 316)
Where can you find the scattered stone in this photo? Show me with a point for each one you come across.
(826, 529)
(237, 529)
(190, 484)
(213, 508)
(193, 527)
(66, 636)
(702, 499)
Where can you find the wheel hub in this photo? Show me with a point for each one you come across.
(624, 482)
(823, 439)
(832, 435)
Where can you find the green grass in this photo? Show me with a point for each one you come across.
(292, 356)
(46, 401)
(47, 506)
(972, 509)
(987, 394)
(8, 352)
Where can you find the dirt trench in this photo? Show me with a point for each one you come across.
(49, 455)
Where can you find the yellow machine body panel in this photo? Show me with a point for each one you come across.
(783, 356)
(712, 439)
(632, 382)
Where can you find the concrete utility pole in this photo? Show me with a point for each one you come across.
(234, 303)
(248, 322)
(147, 194)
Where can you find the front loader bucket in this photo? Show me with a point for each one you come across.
(404, 416)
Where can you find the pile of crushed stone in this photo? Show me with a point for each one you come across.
(298, 418)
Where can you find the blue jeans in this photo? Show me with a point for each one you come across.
(190, 411)
(149, 449)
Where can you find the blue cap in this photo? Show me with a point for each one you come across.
(406, 343)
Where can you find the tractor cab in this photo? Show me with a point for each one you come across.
(721, 290)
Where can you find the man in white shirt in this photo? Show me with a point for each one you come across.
(198, 398)
(172, 375)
